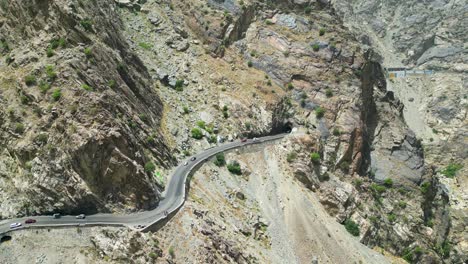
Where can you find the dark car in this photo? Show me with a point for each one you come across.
(30, 221)
(193, 158)
(244, 140)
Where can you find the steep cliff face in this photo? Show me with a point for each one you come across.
(77, 107)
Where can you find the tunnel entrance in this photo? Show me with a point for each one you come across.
(282, 128)
(5, 239)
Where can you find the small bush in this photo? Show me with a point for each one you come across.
(377, 190)
(220, 160)
(290, 86)
(50, 72)
(344, 166)
(307, 10)
(152, 255)
(179, 85)
(50, 52)
(250, 63)
(451, 170)
(234, 168)
(357, 183)
(42, 138)
(388, 182)
(408, 255)
(150, 167)
(88, 52)
(145, 45)
(319, 112)
(329, 93)
(30, 80)
(87, 24)
(197, 133)
(391, 217)
(201, 124)
(87, 87)
(19, 128)
(402, 204)
(336, 132)
(57, 94)
(171, 252)
(351, 227)
(315, 157)
(425, 187)
(112, 84)
(186, 110)
(322, 32)
(268, 22)
(444, 249)
(291, 156)
(44, 87)
(316, 47)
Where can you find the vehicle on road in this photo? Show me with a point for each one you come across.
(56, 216)
(193, 158)
(81, 216)
(244, 140)
(15, 225)
(186, 163)
(30, 221)
(255, 139)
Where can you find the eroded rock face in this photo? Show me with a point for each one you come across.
(80, 142)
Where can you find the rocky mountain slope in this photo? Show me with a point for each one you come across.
(104, 97)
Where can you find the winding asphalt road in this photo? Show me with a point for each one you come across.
(174, 197)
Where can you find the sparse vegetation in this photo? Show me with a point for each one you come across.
(307, 10)
(50, 72)
(150, 167)
(87, 87)
(336, 132)
(451, 170)
(186, 109)
(179, 85)
(197, 133)
(57, 94)
(88, 52)
(44, 87)
(391, 217)
(291, 156)
(220, 160)
(319, 112)
(171, 252)
(388, 183)
(234, 168)
(444, 249)
(112, 84)
(351, 227)
(145, 45)
(250, 63)
(30, 80)
(225, 111)
(87, 24)
(19, 128)
(315, 157)
(316, 47)
(201, 124)
(290, 86)
(322, 32)
(357, 183)
(425, 187)
(329, 92)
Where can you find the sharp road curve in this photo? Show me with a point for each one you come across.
(175, 194)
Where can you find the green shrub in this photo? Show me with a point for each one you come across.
(42, 138)
(377, 190)
(388, 182)
(319, 112)
(336, 132)
(87, 24)
(307, 9)
(150, 167)
(19, 128)
(250, 63)
(408, 255)
(444, 249)
(186, 110)
(352, 227)
(179, 85)
(391, 217)
(344, 166)
(152, 255)
(201, 124)
(220, 160)
(50, 52)
(315, 157)
(57, 94)
(316, 47)
(358, 183)
(44, 86)
(322, 32)
(50, 72)
(171, 252)
(143, 117)
(451, 170)
(291, 156)
(30, 80)
(290, 86)
(329, 93)
(268, 22)
(197, 133)
(112, 84)
(145, 45)
(234, 168)
(87, 87)
(88, 52)
(425, 187)
(402, 204)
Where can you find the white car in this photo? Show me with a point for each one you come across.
(15, 225)
(186, 163)
(81, 216)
